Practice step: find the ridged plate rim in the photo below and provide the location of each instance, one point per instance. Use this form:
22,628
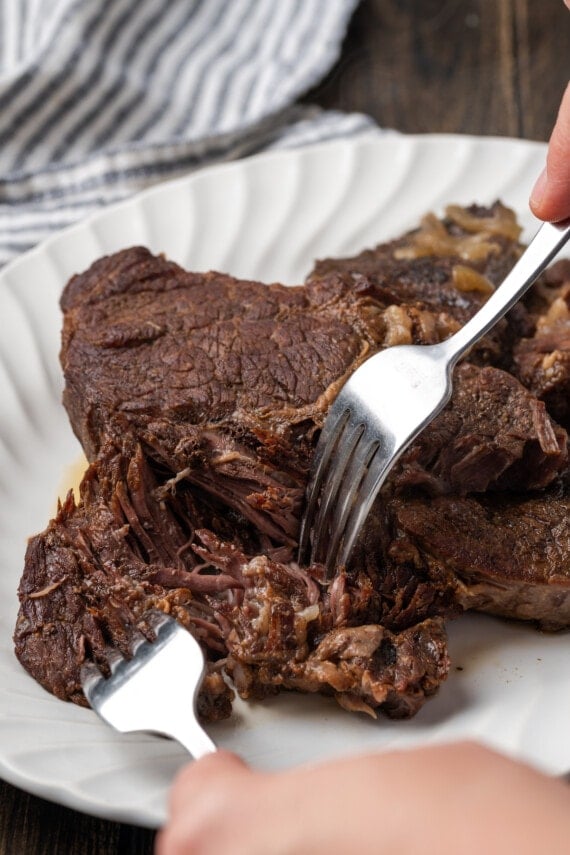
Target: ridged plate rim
265,216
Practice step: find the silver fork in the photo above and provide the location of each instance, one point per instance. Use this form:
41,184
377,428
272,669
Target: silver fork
156,689
385,405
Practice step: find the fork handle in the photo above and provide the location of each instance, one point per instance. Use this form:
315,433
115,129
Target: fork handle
193,738
547,242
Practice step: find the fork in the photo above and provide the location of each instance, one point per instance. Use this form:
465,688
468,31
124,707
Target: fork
156,689
385,405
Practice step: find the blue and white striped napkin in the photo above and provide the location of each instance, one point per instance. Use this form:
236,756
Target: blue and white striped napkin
101,98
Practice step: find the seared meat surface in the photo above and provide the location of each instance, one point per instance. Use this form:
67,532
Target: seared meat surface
198,399
509,553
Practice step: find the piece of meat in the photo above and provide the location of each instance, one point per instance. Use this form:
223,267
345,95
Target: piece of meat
223,382
509,554
287,632
542,361
493,435
130,546
99,567
198,399
444,270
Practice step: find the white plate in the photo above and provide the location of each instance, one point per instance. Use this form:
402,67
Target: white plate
267,218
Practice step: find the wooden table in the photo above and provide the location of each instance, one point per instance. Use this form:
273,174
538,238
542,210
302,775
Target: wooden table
494,67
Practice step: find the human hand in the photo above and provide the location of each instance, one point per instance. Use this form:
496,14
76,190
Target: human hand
451,800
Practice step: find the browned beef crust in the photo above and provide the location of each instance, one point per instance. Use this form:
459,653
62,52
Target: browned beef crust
511,554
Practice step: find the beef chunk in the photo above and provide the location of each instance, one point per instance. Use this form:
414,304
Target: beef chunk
542,361
509,554
493,435
288,633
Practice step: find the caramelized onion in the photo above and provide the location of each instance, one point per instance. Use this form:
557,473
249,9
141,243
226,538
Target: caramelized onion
432,238
557,311
398,326
467,279
502,222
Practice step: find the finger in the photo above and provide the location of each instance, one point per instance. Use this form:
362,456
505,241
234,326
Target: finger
202,777
550,197
201,802
163,843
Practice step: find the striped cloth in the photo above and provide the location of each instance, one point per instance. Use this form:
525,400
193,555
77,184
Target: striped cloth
101,98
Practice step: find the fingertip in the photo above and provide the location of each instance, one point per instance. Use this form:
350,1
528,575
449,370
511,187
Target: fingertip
215,760
538,193
218,763
200,775
159,847
220,758
550,197
551,208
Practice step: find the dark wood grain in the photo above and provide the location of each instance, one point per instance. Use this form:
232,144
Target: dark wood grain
456,66
33,826
494,67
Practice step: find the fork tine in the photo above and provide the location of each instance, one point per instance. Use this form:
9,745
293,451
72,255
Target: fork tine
114,658
347,493
347,441
323,453
91,676
156,619
138,640
370,486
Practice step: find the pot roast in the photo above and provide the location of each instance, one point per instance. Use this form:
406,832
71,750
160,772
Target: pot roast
198,399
